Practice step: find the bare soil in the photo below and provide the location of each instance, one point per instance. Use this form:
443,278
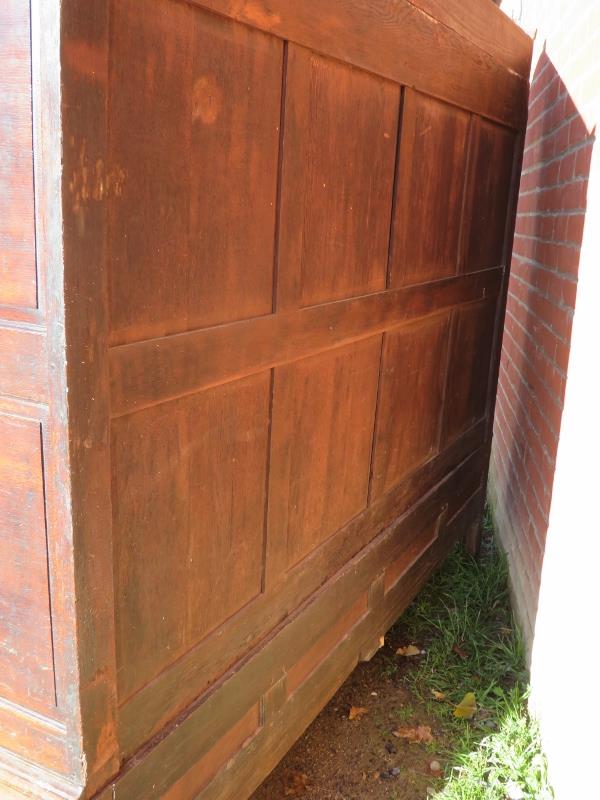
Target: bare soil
342,759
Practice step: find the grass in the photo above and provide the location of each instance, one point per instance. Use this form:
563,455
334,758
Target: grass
463,620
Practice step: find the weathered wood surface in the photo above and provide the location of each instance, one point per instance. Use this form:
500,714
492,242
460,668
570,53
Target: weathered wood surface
249,326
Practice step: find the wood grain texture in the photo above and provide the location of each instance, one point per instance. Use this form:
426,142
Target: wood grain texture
18,285
487,198
192,209
487,27
26,653
470,354
166,761
148,372
411,396
338,169
271,243
461,72
323,418
229,745
429,190
23,364
188,495
79,301
155,705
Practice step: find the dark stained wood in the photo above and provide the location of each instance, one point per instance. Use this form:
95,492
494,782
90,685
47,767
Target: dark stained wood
488,195
466,392
26,658
222,706
460,72
248,350
338,169
489,28
152,707
159,369
18,285
189,483
84,299
319,473
188,250
429,190
413,374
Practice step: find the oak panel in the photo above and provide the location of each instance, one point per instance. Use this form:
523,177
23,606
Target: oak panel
323,417
26,654
189,481
17,211
488,196
194,133
410,400
429,190
469,367
338,166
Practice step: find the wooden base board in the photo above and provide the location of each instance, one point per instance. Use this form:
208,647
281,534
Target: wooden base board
199,743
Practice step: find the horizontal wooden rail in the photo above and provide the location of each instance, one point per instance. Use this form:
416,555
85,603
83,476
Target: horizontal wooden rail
155,370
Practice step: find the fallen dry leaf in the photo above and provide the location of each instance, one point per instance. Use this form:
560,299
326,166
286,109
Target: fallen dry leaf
357,712
409,650
438,695
420,734
460,652
467,707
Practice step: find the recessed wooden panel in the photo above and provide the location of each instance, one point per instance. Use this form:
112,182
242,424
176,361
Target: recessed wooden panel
194,143
26,657
410,400
189,481
429,190
469,367
323,417
17,237
339,152
488,195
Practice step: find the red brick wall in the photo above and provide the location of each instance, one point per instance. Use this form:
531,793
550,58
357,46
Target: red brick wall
542,295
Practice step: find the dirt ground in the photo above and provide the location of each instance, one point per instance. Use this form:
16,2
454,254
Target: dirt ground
342,759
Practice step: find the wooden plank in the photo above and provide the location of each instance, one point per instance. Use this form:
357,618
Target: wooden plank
26,652
192,213
84,31
487,26
253,764
201,773
23,369
150,709
466,393
488,195
149,372
411,393
431,179
24,732
189,491
167,760
18,284
23,779
459,72
319,475
338,169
